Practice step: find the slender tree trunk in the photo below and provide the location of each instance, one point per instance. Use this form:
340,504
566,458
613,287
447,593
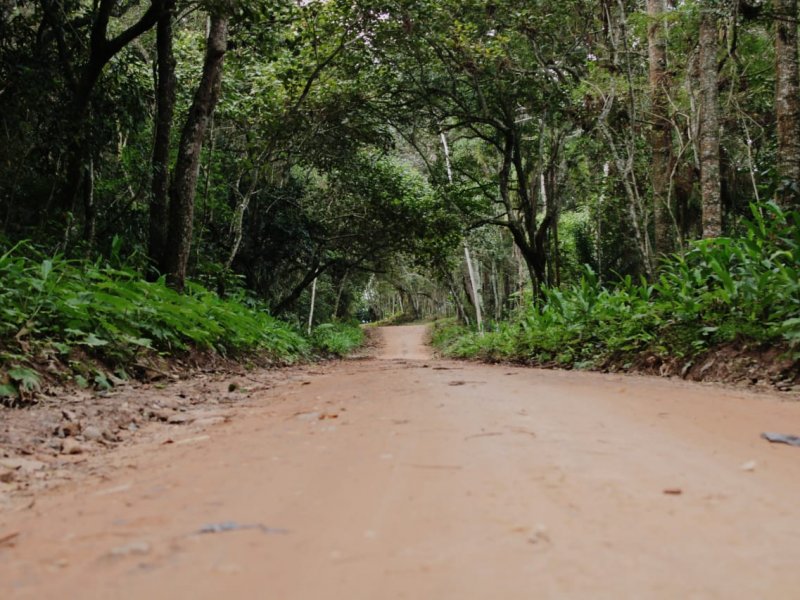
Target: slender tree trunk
661,131
237,224
89,208
495,291
340,291
311,309
184,181
473,283
165,107
709,127
787,102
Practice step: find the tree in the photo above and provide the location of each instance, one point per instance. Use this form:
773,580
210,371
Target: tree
184,179
709,125
498,78
661,128
787,102
166,83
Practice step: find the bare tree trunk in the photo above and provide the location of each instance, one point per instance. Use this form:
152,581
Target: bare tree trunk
313,302
661,131
476,296
237,224
165,107
709,127
184,181
787,102
495,291
339,292
89,207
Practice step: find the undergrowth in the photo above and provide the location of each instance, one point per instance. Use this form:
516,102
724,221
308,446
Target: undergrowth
337,339
76,313
722,290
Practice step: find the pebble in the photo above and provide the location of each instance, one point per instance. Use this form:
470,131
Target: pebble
179,419
540,534
70,446
750,465
162,414
92,433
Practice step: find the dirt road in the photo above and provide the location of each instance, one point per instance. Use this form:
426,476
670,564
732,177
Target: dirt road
409,477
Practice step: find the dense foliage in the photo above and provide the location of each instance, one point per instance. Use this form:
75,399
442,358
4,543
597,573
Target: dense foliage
100,320
541,168
722,290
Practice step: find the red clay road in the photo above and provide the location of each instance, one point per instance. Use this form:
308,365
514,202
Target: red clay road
403,476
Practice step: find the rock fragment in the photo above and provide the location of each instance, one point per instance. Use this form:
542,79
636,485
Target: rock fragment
71,446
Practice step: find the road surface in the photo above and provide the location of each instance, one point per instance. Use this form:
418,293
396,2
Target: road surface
403,476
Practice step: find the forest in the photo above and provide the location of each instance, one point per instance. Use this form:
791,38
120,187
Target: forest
582,183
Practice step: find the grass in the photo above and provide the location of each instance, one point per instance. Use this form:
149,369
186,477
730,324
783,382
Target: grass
722,290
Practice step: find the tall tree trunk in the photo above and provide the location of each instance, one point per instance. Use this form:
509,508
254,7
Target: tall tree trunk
709,126
337,307
787,102
473,286
184,180
661,131
165,107
311,309
89,208
237,223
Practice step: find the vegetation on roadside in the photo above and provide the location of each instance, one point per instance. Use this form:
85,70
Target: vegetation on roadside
524,167
723,290
93,321
337,339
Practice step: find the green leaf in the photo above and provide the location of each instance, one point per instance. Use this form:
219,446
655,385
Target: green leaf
93,341
27,379
8,391
46,269
62,348
102,381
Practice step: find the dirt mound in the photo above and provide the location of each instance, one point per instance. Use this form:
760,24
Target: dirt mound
737,363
